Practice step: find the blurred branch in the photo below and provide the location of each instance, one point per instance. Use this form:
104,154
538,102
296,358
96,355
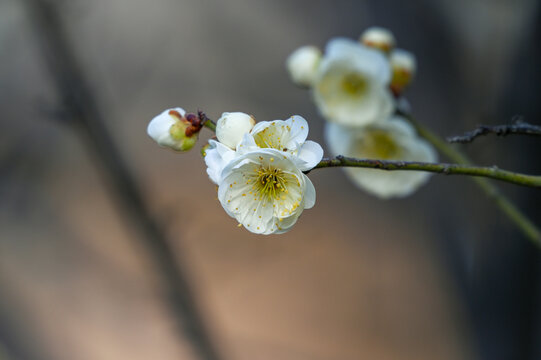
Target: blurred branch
447,169
86,117
517,128
526,226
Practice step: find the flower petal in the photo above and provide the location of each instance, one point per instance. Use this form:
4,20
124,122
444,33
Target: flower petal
286,224
310,154
298,131
370,60
309,193
247,144
217,157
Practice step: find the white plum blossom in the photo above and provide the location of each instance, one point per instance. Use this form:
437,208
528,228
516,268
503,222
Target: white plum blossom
169,130
265,191
231,127
352,84
379,38
302,65
261,183
288,136
394,139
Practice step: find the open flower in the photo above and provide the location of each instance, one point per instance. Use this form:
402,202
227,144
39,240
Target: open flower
352,84
289,137
394,139
265,191
169,129
261,183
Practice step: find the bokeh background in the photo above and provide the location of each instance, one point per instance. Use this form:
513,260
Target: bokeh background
439,275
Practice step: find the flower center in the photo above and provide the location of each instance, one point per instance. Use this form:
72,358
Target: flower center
267,139
270,183
354,84
273,136
378,144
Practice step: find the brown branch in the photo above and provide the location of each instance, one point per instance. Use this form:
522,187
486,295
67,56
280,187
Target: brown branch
86,117
517,128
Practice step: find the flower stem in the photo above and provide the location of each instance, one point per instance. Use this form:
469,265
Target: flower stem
210,125
528,228
447,169
206,122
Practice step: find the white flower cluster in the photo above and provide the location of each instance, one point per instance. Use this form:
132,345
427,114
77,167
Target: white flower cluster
357,87
258,167
259,170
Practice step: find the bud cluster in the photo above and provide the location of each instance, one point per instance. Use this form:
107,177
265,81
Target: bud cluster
258,168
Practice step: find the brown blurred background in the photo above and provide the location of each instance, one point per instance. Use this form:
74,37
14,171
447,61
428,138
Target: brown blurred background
439,275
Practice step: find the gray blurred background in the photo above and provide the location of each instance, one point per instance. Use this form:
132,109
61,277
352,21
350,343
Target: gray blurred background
439,275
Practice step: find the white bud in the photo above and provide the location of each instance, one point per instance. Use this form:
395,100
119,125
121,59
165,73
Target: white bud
379,38
169,130
231,127
302,65
404,66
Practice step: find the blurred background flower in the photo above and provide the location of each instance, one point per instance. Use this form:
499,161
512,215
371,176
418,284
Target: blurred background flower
392,139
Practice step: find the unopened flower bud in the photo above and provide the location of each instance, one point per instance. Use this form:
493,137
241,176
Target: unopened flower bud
379,38
231,127
302,65
404,66
171,129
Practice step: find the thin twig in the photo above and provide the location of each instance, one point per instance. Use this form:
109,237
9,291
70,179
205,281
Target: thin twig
206,122
447,169
518,128
80,103
528,228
